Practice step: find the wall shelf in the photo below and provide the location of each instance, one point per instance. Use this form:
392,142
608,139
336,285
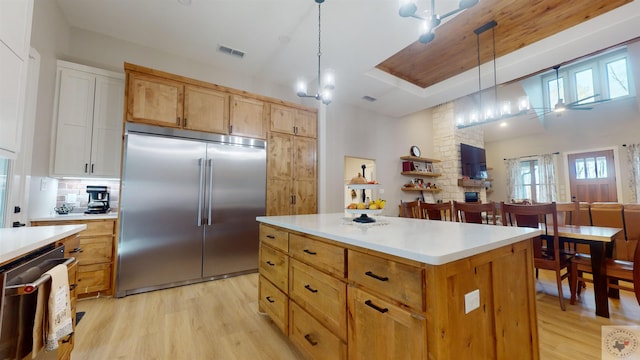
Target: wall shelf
421,189
416,158
421,173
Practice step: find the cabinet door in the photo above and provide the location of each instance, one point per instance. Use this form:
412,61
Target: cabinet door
206,110
154,100
282,119
15,27
306,123
94,278
306,198
280,156
305,181
247,117
12,87
72,154
106,139
381,330
279,197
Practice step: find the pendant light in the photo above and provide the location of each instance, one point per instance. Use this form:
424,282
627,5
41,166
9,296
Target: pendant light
326,84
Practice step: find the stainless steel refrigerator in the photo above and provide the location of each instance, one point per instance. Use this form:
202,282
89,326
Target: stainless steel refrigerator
188,207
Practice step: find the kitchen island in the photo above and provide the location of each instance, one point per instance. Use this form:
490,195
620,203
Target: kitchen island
399,288
18,242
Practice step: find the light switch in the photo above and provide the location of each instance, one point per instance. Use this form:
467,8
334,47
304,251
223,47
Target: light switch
471,301
381,191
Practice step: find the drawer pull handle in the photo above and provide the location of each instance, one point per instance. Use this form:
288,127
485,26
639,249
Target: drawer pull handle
72,287
269,299
372,305
377,277
308,287
76,250
271,236
270,263
310,340
310,252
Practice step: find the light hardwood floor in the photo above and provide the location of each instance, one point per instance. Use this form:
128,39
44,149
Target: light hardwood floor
220,320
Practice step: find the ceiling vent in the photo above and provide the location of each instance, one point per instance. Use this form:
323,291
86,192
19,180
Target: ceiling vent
369,98
230,51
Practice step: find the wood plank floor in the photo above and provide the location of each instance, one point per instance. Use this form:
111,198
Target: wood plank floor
220,320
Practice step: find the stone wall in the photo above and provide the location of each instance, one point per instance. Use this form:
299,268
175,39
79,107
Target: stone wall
446,143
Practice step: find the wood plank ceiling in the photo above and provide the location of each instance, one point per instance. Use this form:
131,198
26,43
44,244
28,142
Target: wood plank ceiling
520,23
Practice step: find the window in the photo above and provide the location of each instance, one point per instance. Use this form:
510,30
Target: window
604,77
591,168
618,78
528,179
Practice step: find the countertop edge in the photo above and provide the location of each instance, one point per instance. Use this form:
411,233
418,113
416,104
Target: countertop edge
527,233
76,217
44,236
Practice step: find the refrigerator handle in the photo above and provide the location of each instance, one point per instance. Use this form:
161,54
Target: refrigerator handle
201,166
210,191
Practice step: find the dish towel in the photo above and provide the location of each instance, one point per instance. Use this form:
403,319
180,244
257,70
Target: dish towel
53,311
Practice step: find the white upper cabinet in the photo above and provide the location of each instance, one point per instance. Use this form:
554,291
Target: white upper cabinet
15,36
88,122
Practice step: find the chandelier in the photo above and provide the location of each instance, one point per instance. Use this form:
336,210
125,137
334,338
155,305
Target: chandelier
326,84
408,8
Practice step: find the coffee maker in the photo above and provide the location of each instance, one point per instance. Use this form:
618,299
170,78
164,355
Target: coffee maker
98,200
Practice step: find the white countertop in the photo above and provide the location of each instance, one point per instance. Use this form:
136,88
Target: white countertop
78,216
15,242
428,241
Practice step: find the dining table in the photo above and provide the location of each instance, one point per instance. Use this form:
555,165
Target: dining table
600,241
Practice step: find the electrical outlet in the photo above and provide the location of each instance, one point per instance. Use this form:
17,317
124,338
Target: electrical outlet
72,198
471,301
44,184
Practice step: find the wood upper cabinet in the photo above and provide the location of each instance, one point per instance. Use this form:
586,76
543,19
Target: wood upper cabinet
293,121
247,117
206,110
154,100
173,101
88,137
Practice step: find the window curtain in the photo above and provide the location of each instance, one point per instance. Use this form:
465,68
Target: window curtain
514,180
634,167
546,191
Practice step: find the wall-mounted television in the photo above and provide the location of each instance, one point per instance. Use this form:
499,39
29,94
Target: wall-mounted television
474,162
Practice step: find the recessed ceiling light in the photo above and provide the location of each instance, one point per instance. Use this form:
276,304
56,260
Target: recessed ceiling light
185,2
503,124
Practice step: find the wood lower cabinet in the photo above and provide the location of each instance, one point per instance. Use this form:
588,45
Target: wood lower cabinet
350,302
95,252
378,329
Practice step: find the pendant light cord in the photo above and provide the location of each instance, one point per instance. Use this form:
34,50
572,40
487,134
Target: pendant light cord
495,73
479,78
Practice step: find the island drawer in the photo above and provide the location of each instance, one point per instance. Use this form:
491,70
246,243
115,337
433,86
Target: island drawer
95,250
324,256
277,238
396,280
275,303
313,339
274,265
321,295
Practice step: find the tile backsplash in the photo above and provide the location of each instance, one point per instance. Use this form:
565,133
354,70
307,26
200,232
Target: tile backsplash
74,192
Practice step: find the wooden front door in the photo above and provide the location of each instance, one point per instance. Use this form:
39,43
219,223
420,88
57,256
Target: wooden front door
592,176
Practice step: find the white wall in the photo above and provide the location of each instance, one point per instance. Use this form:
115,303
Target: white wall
610,125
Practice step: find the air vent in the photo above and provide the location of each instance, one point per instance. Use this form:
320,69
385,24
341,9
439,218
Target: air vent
369,98
230,51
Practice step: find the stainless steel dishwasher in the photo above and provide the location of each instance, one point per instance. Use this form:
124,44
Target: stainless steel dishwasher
20,281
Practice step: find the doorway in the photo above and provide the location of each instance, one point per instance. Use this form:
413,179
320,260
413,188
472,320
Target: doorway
592,176
353,167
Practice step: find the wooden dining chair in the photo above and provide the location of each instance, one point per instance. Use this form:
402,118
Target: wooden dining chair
438,211
549,258
477,213
569,214
410,209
